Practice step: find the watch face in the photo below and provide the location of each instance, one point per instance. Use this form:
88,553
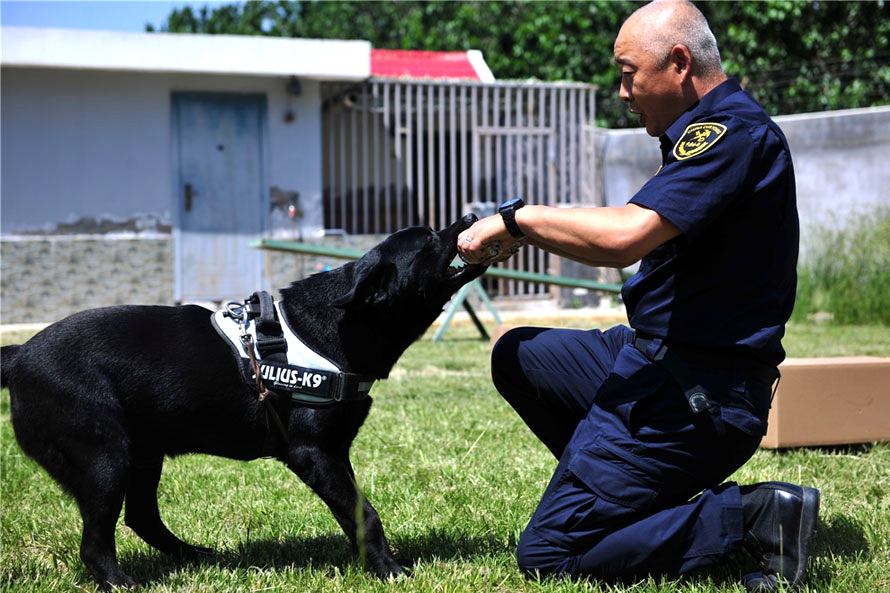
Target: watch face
511,204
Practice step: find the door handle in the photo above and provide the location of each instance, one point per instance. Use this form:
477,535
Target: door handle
189,194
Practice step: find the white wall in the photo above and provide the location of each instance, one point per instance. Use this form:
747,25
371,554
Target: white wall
98,144
841,163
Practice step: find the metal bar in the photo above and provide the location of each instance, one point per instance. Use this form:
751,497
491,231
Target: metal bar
368,223
485,157
475,154
399,158
387,164
456,301
374,147
421,157
495,171
352,172
563,148
506,175
344,253
341,164
487,301
442,197
430,159
464,154
508,162
574,130
409,156
540,145
454,198
328,166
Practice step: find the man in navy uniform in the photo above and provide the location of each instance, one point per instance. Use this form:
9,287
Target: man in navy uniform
648,421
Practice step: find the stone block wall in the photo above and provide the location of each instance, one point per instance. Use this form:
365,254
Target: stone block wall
47,278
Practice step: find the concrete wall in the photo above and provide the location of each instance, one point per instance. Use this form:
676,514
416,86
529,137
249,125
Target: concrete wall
840,163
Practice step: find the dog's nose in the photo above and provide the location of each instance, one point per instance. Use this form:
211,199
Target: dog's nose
470,218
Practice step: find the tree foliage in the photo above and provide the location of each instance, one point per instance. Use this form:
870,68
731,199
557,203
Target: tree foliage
793,56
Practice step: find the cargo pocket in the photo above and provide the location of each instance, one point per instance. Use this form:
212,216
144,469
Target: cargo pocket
615,475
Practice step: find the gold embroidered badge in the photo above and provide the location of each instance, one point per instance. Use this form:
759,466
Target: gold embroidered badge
698,138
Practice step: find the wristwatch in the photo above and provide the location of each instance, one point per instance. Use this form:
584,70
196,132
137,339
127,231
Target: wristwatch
507,210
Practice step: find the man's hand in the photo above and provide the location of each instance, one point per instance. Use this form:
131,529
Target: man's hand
487,242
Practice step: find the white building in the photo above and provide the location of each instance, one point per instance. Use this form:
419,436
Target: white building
188,146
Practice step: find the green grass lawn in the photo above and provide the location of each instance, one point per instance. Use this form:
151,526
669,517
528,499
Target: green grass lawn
454,474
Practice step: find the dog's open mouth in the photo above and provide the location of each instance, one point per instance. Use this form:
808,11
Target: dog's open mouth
458,268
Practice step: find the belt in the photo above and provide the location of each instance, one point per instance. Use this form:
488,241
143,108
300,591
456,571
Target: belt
676,359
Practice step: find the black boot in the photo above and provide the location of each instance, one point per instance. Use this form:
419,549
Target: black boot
780,519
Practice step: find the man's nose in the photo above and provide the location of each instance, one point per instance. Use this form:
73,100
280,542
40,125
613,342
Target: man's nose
624,93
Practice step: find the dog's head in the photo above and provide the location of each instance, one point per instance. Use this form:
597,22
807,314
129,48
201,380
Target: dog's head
411,274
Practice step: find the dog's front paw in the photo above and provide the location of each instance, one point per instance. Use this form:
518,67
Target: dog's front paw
387,568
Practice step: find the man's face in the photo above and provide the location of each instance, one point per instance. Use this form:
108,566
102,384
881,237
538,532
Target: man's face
652,92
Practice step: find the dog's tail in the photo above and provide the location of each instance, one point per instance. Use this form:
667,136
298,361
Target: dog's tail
7,358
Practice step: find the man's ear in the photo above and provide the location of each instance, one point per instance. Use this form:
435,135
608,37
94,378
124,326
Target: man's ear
681,60
370,287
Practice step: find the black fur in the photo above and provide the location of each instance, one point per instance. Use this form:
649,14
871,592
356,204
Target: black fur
99,398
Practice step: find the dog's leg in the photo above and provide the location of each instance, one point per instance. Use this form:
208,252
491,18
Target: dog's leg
142,514
97,547
85,448
100,496
332,478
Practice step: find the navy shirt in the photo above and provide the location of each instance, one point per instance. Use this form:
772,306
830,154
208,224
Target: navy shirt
728,281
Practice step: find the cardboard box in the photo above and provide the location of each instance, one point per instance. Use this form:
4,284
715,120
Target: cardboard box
830,401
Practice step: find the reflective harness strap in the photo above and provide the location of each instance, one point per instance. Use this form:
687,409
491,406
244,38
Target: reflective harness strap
270,367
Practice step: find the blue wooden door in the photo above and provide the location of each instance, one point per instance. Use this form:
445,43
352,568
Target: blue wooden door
219,171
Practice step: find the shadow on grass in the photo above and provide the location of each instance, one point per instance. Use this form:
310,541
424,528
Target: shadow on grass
839,539
296,553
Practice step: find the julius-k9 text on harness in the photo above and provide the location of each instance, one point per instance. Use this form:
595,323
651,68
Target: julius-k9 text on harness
271,355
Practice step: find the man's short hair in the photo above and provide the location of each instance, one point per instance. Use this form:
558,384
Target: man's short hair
679,22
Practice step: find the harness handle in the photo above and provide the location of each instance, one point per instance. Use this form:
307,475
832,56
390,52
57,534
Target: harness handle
264,391
247,339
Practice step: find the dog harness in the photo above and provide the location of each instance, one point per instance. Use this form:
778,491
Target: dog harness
260,341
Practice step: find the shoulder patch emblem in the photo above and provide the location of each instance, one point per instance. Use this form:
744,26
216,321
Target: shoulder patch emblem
698,138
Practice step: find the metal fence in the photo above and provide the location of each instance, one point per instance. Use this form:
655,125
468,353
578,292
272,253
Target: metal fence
402,153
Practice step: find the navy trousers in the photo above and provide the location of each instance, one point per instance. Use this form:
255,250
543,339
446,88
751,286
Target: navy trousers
639,484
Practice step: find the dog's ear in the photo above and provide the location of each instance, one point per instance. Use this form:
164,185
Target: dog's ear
371,286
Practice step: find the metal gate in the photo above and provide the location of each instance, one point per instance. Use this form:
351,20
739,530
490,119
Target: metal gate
401,153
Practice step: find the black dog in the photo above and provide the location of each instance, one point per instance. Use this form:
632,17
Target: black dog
99,398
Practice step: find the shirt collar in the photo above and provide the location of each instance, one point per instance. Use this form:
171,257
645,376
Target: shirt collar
705,106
